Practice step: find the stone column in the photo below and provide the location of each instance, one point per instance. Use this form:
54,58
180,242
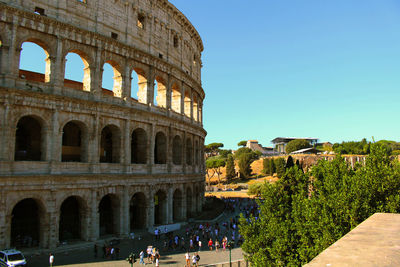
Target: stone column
94,144
94,217
183,99
56,71
150,210
7,230
125,212
169,93
6,134
191,105
170,203
53,229
55,143
126,83
3,221
184,205
184,146
96,73
11,68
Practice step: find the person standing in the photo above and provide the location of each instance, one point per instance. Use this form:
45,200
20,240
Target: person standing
141,257
199,245
51,260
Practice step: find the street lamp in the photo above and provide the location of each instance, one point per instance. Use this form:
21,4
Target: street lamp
231,244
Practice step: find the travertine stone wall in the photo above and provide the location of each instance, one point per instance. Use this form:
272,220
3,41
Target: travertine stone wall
150,37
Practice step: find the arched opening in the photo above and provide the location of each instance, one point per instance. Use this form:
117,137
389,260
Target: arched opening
195,108
27,218
177,205
135,85
77,71
160,149
160,92
189,202
139,147
72,140
200,113
139,78
160,208
112,79
196,199
109,215
110,144
71,215
34,62
28,140
138,212
189,151
187,102
177,150
176,98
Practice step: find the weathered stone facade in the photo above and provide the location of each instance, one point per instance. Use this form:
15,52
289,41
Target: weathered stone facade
78,161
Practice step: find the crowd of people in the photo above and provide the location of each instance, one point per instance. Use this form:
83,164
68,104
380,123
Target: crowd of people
217,236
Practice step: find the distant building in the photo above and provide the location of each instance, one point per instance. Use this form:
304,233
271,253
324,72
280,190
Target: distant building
255,146
281,142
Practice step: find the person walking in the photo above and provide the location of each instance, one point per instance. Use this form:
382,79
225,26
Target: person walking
51,260
187,257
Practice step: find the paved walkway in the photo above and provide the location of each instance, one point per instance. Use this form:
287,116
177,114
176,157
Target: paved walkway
82,254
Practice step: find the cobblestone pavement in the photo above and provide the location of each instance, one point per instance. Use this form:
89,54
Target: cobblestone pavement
82,254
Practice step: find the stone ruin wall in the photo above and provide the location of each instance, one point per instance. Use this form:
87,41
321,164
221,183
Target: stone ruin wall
167,185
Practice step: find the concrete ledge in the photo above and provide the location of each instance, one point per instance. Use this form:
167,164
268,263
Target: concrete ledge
374,242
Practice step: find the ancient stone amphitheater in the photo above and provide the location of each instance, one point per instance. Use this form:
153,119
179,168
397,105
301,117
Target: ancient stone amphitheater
78,161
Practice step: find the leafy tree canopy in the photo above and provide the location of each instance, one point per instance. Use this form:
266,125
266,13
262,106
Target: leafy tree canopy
300,217
297,144
242,143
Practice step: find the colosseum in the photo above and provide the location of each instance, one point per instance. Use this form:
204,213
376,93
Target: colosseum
82,162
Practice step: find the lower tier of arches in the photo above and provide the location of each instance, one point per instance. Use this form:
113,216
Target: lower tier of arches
47,211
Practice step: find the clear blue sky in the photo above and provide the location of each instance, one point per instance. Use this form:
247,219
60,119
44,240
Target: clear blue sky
296,68
324,69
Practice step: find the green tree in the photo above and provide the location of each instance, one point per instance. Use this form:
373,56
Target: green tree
280,164
300,217
266,166
212,149
297,144
289,162
246,150
242,143
215,165
230,168
245,161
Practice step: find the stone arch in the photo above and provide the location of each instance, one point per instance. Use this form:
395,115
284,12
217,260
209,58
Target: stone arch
72,223
160,92
139,146
187,103
33,75
75,139
28,223
117,78
177,150
84,83
189,202
109,215
176,98
160,148
189,151
138,211
30,142
110,144
177,205
160,207
141,85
